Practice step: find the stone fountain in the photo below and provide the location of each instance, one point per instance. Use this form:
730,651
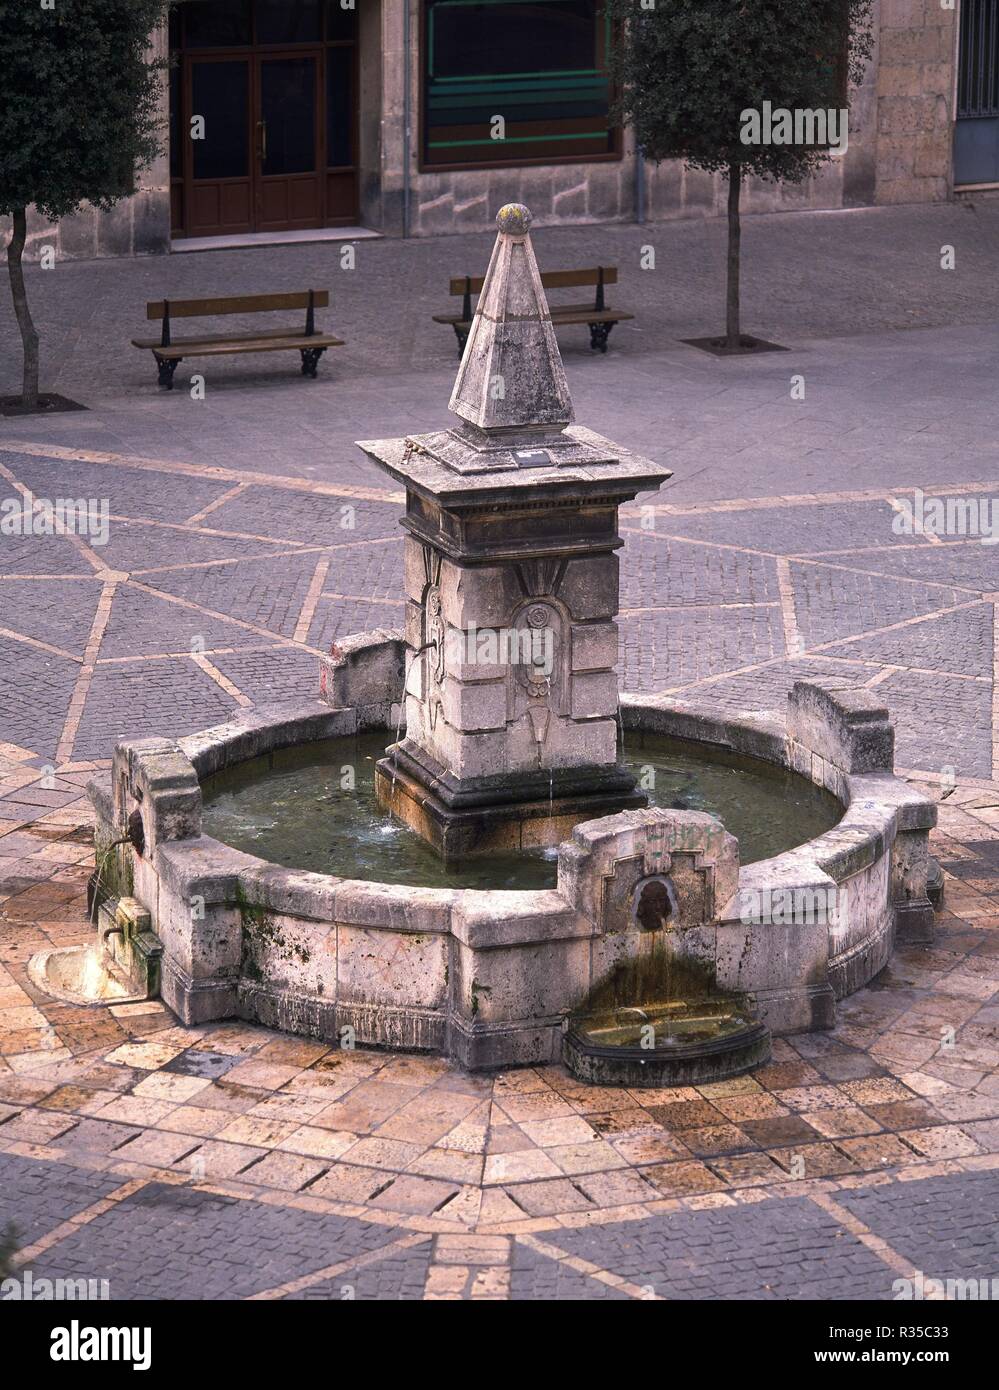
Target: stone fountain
657,954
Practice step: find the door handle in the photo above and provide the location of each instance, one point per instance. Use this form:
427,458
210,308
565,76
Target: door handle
262,130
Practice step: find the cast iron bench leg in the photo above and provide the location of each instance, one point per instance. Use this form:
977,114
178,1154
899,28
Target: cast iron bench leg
310,360
167,366
599,333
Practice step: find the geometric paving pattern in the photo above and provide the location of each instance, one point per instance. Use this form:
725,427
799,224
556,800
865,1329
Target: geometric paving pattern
788,1249
217,589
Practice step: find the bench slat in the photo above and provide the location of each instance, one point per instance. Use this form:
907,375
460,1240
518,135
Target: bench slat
288,331
550,279
216,347
560,313
236,304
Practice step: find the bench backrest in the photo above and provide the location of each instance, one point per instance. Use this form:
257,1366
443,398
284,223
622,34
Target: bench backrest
550,279
168,309
236,304
598,275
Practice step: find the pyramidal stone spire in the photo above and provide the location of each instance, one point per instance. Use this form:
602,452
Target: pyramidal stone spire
511,376
515,431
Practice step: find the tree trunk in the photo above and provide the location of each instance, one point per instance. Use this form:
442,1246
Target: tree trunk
29,334
732,334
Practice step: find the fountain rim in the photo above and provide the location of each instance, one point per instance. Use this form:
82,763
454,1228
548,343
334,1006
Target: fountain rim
872,803
635,705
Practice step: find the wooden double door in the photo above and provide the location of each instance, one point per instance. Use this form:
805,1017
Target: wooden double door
266,141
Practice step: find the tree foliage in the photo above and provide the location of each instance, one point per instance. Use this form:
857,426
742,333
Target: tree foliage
685,70
79,97
79,116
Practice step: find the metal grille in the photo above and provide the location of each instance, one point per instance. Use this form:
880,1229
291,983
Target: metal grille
978,80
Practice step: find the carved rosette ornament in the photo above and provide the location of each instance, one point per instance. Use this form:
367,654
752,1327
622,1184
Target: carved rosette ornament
537,665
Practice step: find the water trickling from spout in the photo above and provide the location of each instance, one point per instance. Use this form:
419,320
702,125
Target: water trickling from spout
402,708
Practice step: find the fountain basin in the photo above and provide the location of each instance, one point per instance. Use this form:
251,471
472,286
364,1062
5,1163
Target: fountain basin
491,977
121,966
291,807
694,1045
79,975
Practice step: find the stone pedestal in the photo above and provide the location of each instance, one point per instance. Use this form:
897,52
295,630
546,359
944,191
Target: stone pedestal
511,579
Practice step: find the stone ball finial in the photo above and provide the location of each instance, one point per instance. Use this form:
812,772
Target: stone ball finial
513,219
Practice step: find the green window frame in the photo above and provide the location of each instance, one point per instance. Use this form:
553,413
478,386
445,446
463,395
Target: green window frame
553,113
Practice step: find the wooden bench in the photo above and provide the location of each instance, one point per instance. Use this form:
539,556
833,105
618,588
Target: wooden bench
597,315
170,351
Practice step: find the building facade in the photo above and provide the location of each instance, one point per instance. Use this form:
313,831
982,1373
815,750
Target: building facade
420,117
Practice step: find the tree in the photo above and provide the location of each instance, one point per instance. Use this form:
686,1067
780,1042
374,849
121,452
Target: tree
690,72
79,97
8,1249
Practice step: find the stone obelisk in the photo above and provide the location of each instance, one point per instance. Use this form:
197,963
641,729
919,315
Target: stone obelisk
511,578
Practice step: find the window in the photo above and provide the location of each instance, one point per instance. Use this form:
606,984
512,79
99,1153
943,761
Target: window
216,23
515,82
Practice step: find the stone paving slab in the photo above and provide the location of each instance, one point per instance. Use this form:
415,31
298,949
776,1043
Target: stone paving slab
208,622
36,1196
946,1227
793,262
247,533
787,1249
249,522
880,403
392,1278
167,1242
537,1278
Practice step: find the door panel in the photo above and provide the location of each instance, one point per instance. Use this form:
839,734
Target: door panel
220,162
339,107
225,206
276,84
341,198
289,185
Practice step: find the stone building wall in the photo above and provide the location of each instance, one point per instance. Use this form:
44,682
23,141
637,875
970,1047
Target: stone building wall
899,151
915,101
901,134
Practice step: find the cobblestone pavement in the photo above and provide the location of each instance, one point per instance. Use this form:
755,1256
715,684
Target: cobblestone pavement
247,531
881,405
232,1161
214,591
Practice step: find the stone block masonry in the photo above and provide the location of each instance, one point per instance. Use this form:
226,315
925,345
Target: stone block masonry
915,111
